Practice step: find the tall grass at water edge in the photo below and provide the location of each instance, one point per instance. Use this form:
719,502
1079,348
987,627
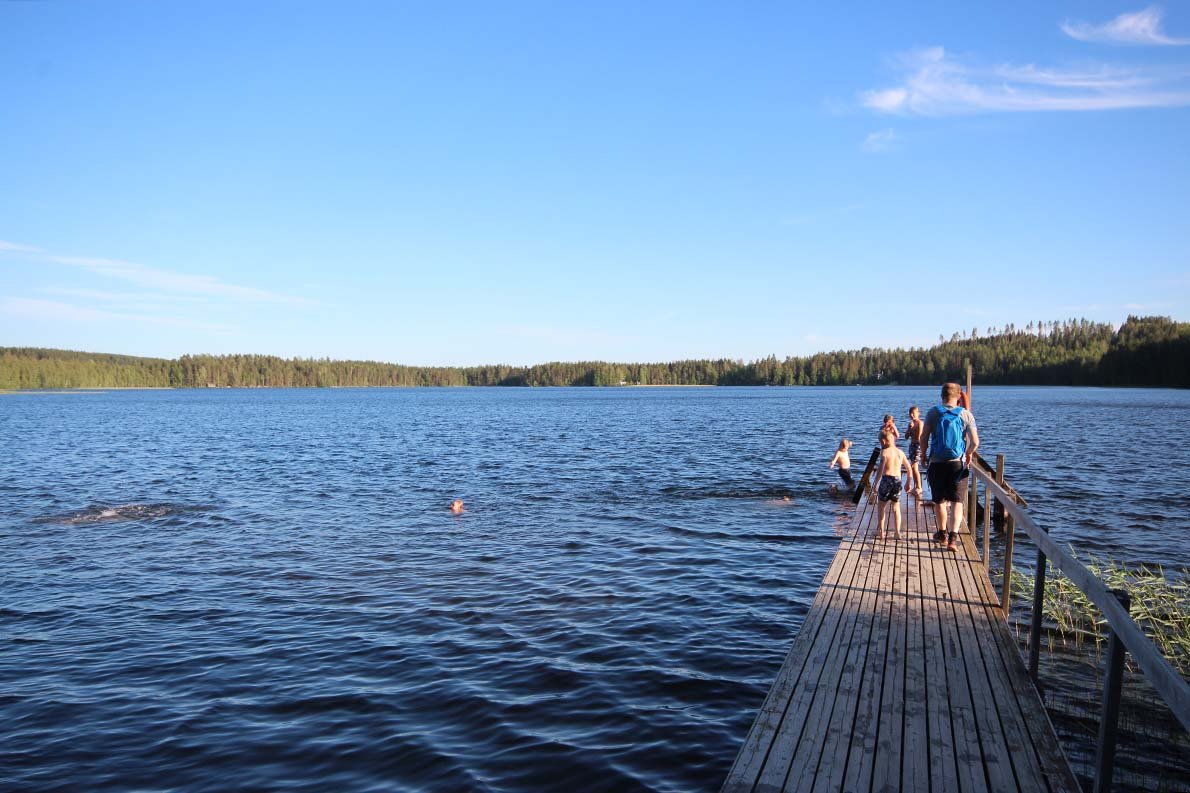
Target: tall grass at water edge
1160,606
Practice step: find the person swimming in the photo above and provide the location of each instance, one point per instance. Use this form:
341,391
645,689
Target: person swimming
456,506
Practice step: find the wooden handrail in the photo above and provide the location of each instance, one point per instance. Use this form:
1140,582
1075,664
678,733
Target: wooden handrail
1172,687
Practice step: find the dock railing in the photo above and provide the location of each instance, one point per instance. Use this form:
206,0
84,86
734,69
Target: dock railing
1123,634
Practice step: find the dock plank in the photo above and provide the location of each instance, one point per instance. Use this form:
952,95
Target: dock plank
1024,702
915,760
858,691
879,721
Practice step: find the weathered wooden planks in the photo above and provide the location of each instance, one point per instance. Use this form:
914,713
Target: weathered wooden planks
903,677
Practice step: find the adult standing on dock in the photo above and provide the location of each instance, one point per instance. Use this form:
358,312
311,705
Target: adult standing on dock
951,439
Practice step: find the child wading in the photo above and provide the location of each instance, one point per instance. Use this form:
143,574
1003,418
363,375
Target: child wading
843,460
888,491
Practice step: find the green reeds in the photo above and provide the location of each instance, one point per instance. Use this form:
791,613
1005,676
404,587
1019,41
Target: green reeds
1160,605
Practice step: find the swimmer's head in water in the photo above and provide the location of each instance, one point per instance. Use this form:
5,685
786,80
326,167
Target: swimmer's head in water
456,506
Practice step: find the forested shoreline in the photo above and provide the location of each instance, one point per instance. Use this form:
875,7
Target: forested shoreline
1145,351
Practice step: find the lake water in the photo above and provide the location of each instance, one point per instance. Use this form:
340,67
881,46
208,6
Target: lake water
264,589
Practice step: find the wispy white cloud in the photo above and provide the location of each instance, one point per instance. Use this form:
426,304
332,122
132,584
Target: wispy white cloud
880,141
937,84
1141,28
12,247
120,297
173,282
174,285
57,311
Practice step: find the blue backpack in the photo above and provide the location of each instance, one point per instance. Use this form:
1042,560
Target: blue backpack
947,442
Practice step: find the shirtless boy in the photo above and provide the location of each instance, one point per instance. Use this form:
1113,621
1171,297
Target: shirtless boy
843,460
913,433
888,492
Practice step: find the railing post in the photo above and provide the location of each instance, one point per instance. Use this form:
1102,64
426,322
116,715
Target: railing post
1009,540
972,498
988,501
1035,627
1105,755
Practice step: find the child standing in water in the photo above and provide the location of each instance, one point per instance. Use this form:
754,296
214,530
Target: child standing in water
890,426
913,433
843,460
888,491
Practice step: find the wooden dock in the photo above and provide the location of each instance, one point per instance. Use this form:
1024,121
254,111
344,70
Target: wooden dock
904,676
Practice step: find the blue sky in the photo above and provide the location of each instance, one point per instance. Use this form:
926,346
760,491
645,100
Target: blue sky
518,182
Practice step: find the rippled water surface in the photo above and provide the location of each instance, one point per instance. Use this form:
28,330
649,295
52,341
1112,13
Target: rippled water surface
264,589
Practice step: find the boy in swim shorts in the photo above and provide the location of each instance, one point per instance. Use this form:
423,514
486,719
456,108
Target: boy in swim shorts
888,492
913,433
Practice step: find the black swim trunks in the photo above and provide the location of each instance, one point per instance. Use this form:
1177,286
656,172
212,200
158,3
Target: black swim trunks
845,475
913,450
889,489
944,478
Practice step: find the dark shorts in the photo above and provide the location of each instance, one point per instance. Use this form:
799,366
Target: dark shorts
845,475
944,478
913,450
889,489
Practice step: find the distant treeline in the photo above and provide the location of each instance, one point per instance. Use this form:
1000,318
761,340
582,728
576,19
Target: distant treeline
1146,351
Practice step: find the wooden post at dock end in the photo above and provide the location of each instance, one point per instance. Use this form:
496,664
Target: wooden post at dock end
1009,539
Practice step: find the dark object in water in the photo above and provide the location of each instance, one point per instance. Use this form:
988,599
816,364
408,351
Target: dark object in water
101,513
